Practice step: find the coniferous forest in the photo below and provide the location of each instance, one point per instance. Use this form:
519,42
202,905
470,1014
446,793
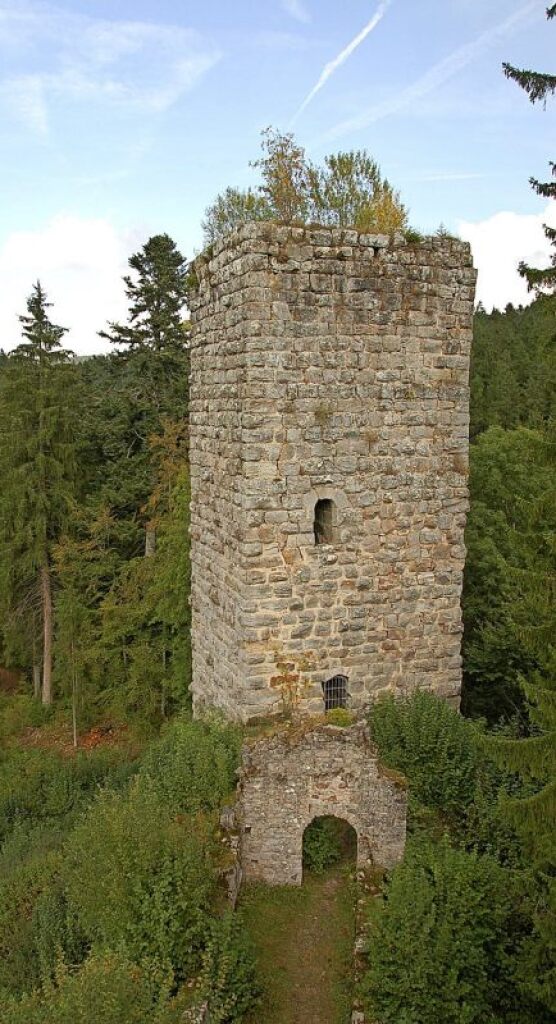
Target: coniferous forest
112,903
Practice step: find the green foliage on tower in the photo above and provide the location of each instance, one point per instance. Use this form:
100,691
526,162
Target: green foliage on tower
347,190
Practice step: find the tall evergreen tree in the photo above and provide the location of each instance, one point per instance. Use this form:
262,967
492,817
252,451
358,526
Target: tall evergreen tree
156,299
539,86
38,468
153,380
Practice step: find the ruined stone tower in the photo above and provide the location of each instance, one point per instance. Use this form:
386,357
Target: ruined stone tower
329,452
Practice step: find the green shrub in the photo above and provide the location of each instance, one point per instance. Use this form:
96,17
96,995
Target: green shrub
452,781
228,976
108,989
440,946
340,716
141,880
434,747
322,844
38,786
37,928
57,936
193,766
19,712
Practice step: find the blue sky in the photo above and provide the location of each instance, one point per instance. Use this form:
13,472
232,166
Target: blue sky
120,119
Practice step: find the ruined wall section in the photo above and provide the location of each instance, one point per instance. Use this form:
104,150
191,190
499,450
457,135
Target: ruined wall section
291,778
328,364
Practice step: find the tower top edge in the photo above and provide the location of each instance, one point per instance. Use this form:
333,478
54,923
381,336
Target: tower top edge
265,236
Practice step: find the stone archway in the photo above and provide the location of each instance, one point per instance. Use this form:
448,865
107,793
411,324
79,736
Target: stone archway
297,774
328,842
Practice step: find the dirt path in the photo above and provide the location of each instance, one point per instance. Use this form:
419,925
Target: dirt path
304,943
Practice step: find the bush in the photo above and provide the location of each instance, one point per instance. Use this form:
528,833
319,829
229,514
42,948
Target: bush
322,844
19,712
38,786
19,893
109,989
57,936
140,880
423,737
340,716
228,977
37,928
440,947
193,767
452,781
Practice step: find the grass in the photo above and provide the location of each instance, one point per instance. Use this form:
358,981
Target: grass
304,943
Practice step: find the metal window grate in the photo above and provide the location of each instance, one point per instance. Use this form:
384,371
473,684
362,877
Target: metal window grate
335,692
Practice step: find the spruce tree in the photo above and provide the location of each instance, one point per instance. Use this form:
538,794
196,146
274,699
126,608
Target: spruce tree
156,297
539,86
153,380
38,469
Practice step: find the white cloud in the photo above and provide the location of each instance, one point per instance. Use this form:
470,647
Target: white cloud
341,58
80,263
438,74
499,243
297,10
135,64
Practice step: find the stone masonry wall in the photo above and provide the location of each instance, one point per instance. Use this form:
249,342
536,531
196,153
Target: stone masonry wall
327,364
291,778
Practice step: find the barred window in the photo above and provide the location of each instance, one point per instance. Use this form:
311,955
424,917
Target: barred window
335,692
325,521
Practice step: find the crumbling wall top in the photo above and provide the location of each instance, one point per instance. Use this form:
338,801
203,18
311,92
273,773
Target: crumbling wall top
274,239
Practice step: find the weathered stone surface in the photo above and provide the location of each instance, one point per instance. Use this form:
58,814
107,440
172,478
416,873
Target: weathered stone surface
326,364
294,776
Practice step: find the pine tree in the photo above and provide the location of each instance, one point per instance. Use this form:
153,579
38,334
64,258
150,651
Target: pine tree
145,630
539,86
156,300
153,381
86,564
38,469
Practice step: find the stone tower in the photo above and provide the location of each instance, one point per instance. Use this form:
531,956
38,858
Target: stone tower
329,454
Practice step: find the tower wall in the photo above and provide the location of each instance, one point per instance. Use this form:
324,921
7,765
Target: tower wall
327,364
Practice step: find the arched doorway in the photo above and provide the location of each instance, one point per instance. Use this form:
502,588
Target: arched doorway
328,842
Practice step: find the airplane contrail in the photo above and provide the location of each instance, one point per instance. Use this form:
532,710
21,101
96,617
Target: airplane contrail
337,62
436,75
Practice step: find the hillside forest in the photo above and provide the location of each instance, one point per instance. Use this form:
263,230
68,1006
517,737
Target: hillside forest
112,907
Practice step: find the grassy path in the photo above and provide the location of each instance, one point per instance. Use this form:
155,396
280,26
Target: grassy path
304,943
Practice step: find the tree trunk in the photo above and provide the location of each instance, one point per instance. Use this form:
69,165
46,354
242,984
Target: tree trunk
150,541
73,694
36,664
36,680
46,592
